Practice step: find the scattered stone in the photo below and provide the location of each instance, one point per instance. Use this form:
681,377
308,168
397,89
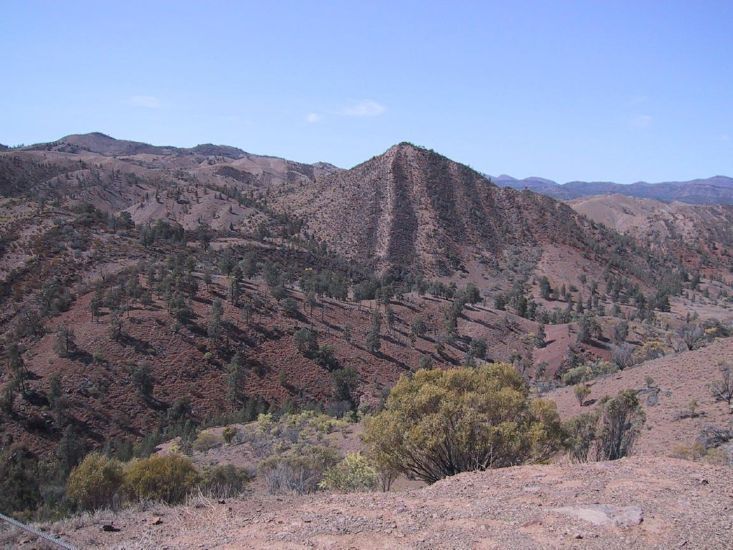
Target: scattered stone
109,528
156,520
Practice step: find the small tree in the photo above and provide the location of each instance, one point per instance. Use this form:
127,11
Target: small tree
345,383
167,478
214,328
235,289
623,356
471,294
588,328
306,339
692,334
229,433
143,381
540,340
609,432
476,350
620,420
722,389
374,338
95,306
18,368
115,326
235,378
418,327
290,308
580,436
545,288
391,318
65,343
70,450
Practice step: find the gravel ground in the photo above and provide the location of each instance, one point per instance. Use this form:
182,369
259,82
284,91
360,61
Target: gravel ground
642,502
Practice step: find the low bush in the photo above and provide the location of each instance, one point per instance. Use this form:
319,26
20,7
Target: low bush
652,349
205,441
224,481
588,372
353,473
300,470
166,478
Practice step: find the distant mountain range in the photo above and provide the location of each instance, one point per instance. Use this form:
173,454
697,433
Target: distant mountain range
715,190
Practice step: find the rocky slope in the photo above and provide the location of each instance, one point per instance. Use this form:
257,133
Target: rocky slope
411,208
697,235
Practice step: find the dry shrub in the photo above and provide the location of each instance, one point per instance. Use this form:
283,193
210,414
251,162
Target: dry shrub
166,478
300,470
94,483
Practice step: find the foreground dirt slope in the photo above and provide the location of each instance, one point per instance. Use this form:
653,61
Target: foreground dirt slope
630,503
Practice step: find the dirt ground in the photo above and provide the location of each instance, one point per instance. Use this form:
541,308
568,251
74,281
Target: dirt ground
642,502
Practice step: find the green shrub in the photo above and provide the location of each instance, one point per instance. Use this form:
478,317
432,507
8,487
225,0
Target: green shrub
587,372
167,478
443,422
94,483
353,473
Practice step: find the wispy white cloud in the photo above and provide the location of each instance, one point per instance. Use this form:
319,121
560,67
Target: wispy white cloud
642,121
312,118
145,101
363,108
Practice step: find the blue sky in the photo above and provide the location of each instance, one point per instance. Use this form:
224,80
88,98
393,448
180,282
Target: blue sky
621,91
